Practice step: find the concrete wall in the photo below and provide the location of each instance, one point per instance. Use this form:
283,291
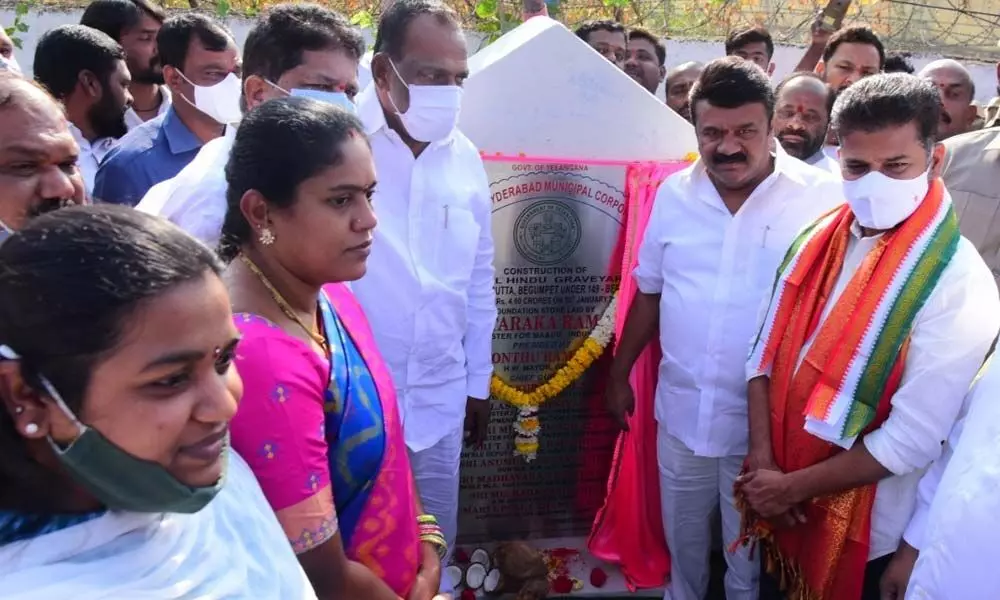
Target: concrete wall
678,51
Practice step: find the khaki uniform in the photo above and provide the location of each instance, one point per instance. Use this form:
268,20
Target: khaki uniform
972,175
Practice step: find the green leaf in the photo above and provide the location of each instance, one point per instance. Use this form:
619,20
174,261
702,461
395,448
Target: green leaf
362,19
21,9
17,43
10,31
486,9
223,8
21,26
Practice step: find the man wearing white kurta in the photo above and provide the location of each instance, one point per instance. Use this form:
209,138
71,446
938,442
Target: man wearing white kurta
716,236
428,292
938,325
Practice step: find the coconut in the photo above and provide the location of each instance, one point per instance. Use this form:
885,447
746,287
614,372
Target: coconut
493,581
455,574
520,561
480,557
475,576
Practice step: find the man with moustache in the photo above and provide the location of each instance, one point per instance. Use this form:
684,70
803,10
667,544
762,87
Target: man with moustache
85,70
646,57
971,166
716,235
134,24
954,83
38,170
851,54
678,85
801,118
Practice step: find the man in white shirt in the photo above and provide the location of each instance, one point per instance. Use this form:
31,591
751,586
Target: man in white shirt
878,324
429,288
953,534
134,24
297,49
718,232
85,70
801,118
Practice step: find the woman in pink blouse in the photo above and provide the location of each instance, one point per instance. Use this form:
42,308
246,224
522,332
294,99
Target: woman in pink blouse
318,423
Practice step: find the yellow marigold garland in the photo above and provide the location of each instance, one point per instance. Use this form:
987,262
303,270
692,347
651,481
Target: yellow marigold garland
527,426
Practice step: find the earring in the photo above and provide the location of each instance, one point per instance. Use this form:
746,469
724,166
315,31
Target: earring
31,429
18,410
266,236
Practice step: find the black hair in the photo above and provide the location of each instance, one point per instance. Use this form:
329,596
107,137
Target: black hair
70,281
278,39
645,34
898,63
280,144
395,22
732,82
857,34
587,27
831,94
116,17
742,37
174,38
66,51
888,100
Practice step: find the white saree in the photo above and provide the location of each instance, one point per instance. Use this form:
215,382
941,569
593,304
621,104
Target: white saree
232,549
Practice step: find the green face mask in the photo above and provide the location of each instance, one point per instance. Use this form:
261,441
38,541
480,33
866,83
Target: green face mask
119,480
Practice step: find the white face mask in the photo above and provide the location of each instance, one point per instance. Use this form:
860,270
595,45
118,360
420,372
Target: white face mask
10,64
220,101
433,111
881,202
340,99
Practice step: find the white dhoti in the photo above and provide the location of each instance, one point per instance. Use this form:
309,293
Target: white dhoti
691,488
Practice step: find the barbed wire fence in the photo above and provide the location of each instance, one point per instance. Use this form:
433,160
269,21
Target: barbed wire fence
967,29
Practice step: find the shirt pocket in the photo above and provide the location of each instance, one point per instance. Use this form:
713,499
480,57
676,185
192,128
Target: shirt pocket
769,251
455,240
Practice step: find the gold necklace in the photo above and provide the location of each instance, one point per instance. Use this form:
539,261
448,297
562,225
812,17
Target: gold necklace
283,304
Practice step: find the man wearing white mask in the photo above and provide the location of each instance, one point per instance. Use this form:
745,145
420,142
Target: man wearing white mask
200,65
429,288
881,316
292,49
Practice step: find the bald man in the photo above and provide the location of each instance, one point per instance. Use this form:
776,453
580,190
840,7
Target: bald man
954,82
38,171
678,84
803,103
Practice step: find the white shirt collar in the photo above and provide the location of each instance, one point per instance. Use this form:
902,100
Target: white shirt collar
99,148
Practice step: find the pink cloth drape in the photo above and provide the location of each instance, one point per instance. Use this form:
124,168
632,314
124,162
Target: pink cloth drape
628,530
